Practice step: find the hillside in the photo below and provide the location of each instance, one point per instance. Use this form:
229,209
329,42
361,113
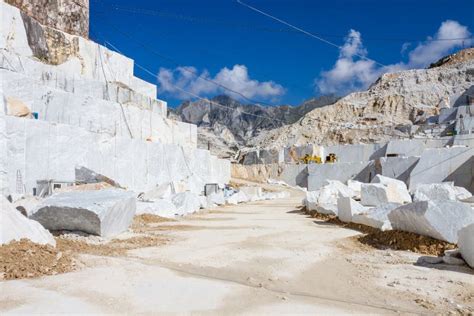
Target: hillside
396,105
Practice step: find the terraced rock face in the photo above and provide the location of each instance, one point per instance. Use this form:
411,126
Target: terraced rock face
402,99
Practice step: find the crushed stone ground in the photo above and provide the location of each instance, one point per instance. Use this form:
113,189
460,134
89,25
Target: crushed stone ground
25,259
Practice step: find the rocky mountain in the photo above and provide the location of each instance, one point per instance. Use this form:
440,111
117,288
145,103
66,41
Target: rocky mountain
227,128
396,105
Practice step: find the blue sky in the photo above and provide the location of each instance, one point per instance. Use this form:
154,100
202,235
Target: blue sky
259,58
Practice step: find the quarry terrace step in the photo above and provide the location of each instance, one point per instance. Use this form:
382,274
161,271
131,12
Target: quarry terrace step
58,78
94,115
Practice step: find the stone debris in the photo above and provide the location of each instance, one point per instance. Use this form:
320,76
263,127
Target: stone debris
160,207
86,175
104,212
216,198
384,190
466,244
453,257
238,197
348,207
438,219
431,260
162,191
15,226
275,195
311,200
376,217
341,188
373,194
453,261
253,193
435,191
204,202
355,186
29,203
186,203
462,194
327,196
397,190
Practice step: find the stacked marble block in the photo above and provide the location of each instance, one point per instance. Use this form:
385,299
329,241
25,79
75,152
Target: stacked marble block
413,161
91,111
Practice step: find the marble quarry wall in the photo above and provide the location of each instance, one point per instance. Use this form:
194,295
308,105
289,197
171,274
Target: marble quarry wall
66,101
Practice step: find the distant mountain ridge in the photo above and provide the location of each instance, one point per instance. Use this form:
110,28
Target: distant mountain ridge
226,128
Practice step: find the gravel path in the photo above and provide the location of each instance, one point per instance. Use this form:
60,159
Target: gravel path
261,257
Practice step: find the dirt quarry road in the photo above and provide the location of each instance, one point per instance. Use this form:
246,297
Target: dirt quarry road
260,257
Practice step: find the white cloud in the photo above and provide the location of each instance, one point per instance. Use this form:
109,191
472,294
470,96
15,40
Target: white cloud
236,78
405,47
351,72
430,51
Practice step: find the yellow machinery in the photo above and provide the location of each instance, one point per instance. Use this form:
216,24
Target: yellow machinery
307,159
331,158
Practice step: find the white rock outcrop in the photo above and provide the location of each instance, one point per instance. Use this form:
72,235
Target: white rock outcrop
438,219
104,212
466,244
15,226
186,203
434,191
397,190
160,207
376,217
348,207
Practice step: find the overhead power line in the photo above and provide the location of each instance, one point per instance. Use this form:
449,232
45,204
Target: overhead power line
191,93
254,27
322,122
305,32
188,70
244,112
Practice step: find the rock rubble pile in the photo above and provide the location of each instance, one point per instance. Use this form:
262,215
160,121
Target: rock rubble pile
437,210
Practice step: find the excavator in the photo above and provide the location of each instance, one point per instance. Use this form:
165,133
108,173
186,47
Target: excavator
308,159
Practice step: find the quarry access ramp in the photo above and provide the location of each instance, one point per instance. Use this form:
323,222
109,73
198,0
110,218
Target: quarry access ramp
258,257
